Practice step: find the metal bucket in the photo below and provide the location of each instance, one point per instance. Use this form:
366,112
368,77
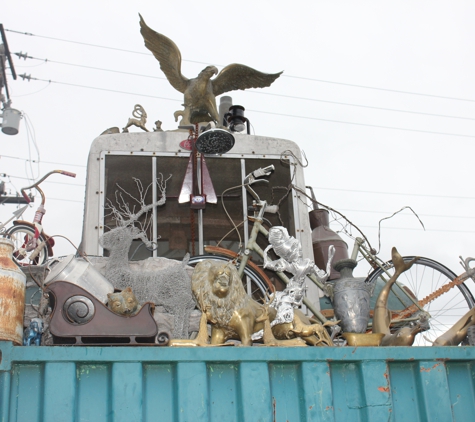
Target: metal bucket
81,273
12,295
11,121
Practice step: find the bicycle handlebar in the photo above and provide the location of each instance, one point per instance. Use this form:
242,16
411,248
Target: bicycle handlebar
271,209
252,178
266,171
35,185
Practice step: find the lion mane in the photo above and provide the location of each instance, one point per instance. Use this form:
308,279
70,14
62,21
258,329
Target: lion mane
219,309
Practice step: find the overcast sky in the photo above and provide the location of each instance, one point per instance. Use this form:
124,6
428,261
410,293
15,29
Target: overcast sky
379,95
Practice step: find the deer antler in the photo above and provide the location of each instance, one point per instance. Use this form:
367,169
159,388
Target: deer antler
124,210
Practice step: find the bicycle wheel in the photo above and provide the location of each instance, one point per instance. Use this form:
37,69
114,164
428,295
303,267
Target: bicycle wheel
423,278
21,237
253,284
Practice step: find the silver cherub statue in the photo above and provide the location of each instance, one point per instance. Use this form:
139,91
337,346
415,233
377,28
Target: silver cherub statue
289,249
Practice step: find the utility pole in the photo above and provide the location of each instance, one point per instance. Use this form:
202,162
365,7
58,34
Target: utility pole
11,117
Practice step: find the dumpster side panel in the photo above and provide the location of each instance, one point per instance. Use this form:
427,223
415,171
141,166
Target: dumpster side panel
236,384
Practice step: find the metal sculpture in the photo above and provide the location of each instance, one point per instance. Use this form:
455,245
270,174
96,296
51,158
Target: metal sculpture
234,315
171,287
200,92
79,309
300,330
86,320
382,316
457,333
124,303
289,250
32,334
269,338
139,121
219,292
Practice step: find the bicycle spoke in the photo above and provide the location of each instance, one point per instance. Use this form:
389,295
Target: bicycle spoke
445,307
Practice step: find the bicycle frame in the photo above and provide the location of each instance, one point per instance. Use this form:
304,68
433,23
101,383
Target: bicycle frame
261,207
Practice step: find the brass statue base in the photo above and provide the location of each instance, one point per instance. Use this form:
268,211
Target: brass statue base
363,339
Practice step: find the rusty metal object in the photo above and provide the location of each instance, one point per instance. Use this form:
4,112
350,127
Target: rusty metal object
12,295
322,237
79,318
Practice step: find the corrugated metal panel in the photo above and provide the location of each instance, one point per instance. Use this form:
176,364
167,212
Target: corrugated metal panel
236,384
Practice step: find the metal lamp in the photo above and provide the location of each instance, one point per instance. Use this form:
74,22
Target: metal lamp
235,119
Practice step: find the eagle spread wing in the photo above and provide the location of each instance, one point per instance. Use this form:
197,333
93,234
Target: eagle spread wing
237,76
167,53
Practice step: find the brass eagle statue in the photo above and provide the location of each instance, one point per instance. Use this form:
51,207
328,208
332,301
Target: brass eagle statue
200,92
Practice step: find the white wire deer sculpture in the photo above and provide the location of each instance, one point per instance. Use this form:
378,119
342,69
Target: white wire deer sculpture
170,287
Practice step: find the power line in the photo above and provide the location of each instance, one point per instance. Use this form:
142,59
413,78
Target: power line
381,89
362,124
256,111
97,88
22,55
47,181
285,76
413,229
395,193
72,200
44,162
406,213
92,45
362,106
25,56
77,42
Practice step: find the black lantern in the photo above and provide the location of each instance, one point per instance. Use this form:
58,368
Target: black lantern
235,119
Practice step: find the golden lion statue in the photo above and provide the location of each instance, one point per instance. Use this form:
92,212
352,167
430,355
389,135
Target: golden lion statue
220,294
234,315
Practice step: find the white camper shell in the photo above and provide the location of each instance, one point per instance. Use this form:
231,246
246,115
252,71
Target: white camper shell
116,159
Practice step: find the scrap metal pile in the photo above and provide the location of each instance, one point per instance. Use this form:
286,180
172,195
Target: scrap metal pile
111,301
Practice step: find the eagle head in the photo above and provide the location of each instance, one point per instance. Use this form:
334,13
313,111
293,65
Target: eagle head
208,72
